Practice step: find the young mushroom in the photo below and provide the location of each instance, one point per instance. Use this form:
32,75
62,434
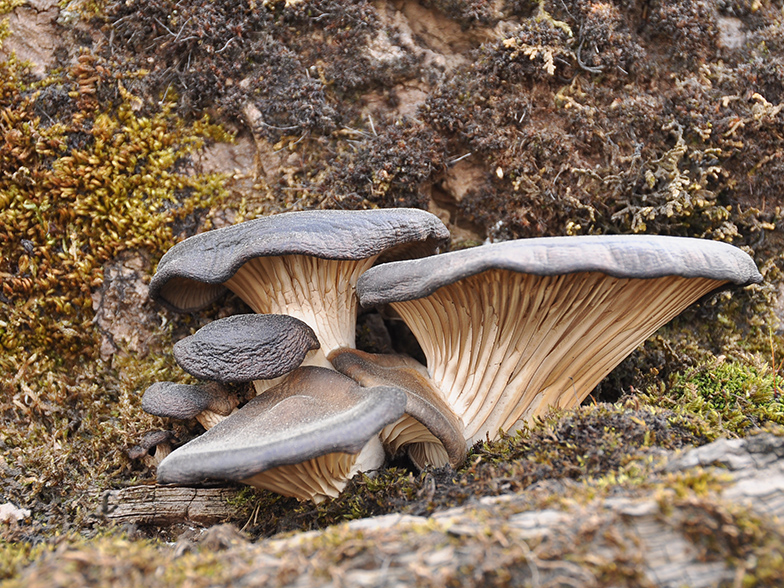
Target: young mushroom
303,264
240,348
208,403
153,448
512,328
305,437
429,431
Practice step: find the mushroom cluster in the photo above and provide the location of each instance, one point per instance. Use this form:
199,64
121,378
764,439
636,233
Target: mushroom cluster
508,330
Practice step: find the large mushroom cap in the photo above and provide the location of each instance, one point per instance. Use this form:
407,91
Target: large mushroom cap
513,328
246,347
301,438
620,256
192,273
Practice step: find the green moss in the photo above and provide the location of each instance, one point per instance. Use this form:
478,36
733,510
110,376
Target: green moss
730,398
15,555
113,558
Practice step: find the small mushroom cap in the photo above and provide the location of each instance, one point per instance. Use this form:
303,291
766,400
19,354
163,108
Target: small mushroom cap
620,256
313,412
424,402
246,347
190,275
150,440
184,401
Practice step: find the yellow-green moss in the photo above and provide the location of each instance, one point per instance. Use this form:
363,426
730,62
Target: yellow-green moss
87,171
728,397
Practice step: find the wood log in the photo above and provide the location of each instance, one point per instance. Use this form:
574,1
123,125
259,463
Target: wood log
169,505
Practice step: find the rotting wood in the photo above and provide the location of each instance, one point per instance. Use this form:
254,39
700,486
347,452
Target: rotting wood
170,505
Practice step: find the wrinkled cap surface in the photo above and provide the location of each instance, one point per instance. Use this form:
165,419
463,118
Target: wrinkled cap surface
185,401
246,347
620,256
313,412
190,275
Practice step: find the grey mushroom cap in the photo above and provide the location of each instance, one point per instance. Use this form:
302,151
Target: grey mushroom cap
620,256
246,347
423,402
190,275
313,412
185,401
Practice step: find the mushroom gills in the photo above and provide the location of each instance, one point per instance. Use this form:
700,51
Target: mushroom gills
319,292
429,431
423,448
531,342
322,477
511,329
304,438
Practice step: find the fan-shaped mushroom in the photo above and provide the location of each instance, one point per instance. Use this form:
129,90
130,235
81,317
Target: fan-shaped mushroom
306,437
247,347
512,328
429,431
303,264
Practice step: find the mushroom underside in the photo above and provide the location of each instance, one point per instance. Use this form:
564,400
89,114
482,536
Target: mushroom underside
429,431
317,425
322,477
319,292
503,347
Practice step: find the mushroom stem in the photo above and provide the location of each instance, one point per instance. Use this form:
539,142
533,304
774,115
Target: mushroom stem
547,341
319,292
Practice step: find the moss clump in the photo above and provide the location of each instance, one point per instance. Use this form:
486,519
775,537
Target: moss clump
87,171
114,559
730,397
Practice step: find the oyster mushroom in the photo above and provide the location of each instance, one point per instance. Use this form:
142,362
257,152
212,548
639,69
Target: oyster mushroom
153,447
428,431
303,264
240,348
208,403
512,328
305,437
247,347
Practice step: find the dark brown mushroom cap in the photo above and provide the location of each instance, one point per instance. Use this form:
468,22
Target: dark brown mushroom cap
190,275
184,401
246,347
149,440
313,412
424,402
620,256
